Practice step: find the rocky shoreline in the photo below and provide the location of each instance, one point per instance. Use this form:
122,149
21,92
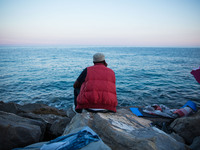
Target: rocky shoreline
23,125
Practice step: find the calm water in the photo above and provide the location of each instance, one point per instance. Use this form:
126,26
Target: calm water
143,75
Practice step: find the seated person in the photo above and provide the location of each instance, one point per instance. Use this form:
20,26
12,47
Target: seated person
95,89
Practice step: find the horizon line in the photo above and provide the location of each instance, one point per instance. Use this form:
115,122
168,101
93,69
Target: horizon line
62,45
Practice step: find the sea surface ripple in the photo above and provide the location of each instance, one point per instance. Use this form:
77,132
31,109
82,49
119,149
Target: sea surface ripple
144,76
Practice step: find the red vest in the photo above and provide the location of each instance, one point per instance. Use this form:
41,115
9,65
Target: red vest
99,89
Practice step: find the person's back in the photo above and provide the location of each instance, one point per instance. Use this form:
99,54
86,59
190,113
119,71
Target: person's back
98,91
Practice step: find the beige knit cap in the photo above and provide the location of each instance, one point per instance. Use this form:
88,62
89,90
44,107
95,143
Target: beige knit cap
98,57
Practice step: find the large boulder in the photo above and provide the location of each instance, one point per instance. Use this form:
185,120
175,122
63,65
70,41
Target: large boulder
54,119
187,127
30,123
31,108
17,131
9,107
55,125
123,130
41,109
58,126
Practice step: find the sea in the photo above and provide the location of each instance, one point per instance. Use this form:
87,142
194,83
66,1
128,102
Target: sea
144,75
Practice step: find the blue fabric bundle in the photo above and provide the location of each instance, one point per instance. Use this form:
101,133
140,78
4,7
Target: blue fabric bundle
72,141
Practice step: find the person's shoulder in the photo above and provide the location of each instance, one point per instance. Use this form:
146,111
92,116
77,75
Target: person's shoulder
89,67
110,69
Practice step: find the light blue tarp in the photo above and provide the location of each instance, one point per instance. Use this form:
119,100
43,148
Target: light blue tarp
83,138
73,141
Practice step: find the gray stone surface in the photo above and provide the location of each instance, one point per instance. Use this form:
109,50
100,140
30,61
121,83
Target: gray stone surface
31,108
17,131
41,109
177,137
9,107
58,126
70,113
35,146
55,125
123,130
195,144
187,127
21,124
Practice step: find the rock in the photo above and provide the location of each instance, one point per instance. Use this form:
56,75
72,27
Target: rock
17,131
123,130
187,127
58,126
30,108
9,107
41,112
21,125
70,113
55,125
195,144
56,119
52,121
35,146
41,109
177,137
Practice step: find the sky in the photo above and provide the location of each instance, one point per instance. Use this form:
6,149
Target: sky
146,23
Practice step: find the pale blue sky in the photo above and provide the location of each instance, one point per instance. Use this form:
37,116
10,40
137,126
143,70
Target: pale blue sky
100,22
